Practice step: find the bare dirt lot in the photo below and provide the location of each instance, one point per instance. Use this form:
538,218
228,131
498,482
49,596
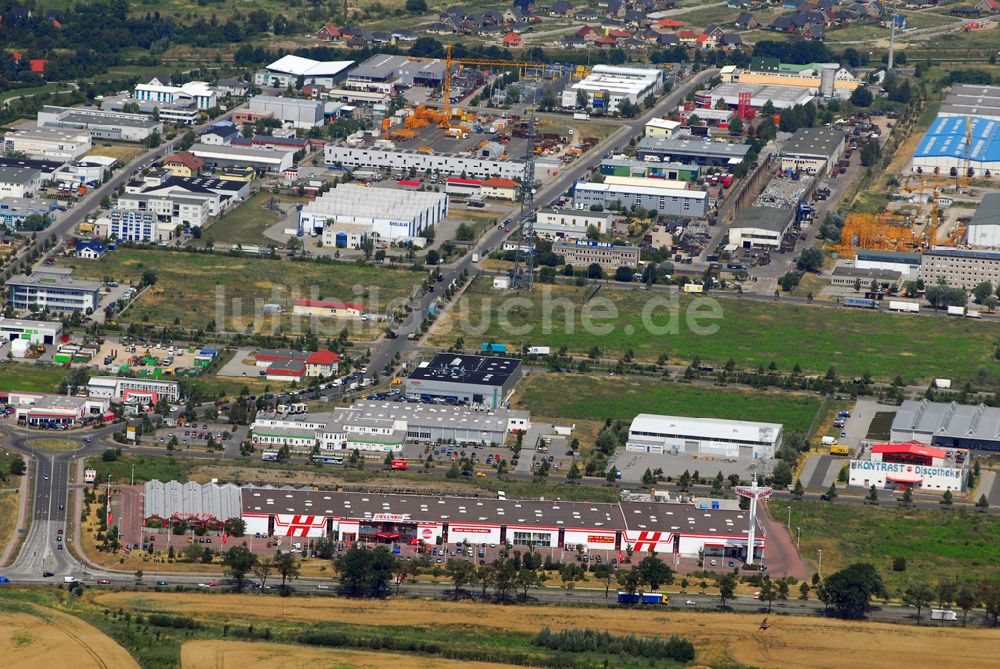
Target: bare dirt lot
242,655
791,642
35,636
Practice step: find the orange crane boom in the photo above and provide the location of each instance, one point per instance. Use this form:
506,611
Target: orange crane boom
449,61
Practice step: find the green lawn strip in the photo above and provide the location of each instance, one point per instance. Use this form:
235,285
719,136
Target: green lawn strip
30,377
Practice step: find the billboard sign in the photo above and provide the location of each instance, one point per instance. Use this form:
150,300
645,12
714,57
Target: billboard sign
89,475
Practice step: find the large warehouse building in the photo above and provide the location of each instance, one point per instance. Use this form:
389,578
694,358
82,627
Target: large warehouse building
448,164
948,425
944,149
115,126
758,226
654,197
691,151
386,213
984,228
287,71
666,528
813,150
972,100
302,114
472,379
651,433
609,85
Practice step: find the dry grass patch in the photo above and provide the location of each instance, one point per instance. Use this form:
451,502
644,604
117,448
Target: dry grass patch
790,643
34,636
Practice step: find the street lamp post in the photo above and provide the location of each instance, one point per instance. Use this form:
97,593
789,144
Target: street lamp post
820,571
798,537
788,525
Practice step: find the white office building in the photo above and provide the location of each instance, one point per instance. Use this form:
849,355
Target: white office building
169,208
52,289
122,388
47,144
609,85
387,214
560,223
198,94
652,433
19,181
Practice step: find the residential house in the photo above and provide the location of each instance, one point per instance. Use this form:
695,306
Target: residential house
739,4
586,14
988,6
687,37
183,164
90,249
328,33
782,24
715,31
747,21
561,8
669,24
731,41
920,4
666,41
705,41
815,33
512,40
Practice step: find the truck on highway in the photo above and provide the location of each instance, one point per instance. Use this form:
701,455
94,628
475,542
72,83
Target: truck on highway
839,449
829,441
475,257
943,614
629,598
956,311
899,305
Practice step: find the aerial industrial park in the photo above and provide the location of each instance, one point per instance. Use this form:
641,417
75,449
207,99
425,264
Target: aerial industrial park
668,327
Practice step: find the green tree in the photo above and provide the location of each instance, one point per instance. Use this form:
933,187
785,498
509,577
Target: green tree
982,291
966,599
861,97
810,260
767,592
654,572
799,490
287,566
238,561
604,573
365,573
727,588
918,595
946,498
851,589
461,573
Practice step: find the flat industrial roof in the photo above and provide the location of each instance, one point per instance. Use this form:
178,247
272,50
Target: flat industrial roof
87,116
972,100
889,256
18,175
210,500
379,66
235,152
365,506
867,273
693,147
642,190
358,200
814,142
781,97
441,416
43,166
971,254
470,369
706,428
765,218
54,280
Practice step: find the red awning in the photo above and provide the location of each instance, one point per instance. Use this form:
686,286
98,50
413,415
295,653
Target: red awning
905,478
387,535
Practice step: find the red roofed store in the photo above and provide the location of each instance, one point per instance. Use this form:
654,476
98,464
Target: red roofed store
911,465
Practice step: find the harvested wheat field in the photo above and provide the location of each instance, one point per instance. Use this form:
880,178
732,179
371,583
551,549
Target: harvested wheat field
243,655
35,636
791,642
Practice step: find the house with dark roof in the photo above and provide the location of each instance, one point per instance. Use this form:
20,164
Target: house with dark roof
782,24
731,41
715,31
747,21
815,33
560,8
586,14
739,4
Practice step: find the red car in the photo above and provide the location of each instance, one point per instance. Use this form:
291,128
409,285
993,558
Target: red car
103,581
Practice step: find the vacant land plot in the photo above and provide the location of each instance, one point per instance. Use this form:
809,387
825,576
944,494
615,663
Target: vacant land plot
881,426
938,545
123,153
36,636
790,642
599,397
31,378
246,223
147,468
242,655
9,499
195,289
751,332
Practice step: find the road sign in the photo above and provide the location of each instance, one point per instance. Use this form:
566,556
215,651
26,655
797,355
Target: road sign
89,475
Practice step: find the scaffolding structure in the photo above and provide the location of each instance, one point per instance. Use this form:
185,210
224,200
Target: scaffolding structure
871,232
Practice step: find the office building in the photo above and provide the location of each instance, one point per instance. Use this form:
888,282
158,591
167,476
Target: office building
582,253
560,223
960,268
20,182
52,289
340,155
125,389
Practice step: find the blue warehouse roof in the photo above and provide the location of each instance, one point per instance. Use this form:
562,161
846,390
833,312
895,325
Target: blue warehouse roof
946,138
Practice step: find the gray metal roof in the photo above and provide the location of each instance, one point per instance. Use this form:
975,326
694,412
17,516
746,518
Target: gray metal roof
948,419
692,147
859,273
19,175
765,218
814,142
473,369
209,501
890,256
988,212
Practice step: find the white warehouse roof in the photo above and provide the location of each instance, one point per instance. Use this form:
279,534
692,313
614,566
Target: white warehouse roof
706,428
356,200
642,190
307,67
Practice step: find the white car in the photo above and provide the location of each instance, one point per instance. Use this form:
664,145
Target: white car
691,602
713,563
322,586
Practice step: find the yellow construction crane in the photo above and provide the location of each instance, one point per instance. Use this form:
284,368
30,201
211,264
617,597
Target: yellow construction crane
449,62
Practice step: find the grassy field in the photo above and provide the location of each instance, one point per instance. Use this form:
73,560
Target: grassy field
881,426
721,639
55,445
31,636
750,332
30,378
937,544
123,153
247,222
187,284
245,655
596,397
147,468
8,510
